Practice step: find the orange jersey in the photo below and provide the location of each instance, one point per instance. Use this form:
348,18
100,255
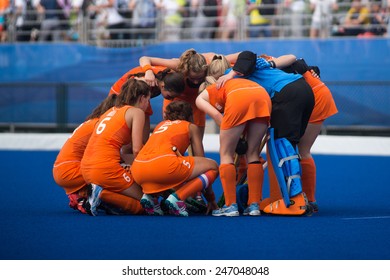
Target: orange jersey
240,100
157,167
324,106
66,169
189,95
101,161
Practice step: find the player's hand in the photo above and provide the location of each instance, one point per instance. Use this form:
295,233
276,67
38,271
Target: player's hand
315,71
211,206
150,78
223,79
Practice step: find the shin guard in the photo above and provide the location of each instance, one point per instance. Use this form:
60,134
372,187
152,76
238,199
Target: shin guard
285,162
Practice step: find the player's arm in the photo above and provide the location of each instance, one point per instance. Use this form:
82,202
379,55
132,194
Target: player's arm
196,141
146,62
146,130
171,63
202,102
223,79
135,119
283,61
232,58
127,154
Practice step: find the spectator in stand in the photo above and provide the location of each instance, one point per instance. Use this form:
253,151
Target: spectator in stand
378,19
205,13
27,22
51,24
5,9
260,13
172,13
64,15
321,20
387,10
108,19
77,13
295,10
144,16
356,20
231,15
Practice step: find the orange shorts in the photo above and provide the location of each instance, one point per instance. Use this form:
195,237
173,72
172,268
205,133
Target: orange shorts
162,172
68,176
113,178
324,106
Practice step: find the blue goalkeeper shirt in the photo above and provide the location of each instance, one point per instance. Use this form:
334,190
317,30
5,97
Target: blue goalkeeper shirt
271,79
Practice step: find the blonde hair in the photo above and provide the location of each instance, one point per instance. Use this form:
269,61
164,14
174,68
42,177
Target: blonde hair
218,66
190,60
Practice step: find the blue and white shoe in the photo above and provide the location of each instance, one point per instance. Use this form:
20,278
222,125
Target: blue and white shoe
229,211
252,210
151,205
176,206
91,205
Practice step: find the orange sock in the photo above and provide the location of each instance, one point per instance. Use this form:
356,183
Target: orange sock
197,184
309,178
255,182
227,173
127,204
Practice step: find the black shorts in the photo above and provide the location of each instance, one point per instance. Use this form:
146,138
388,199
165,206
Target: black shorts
291,110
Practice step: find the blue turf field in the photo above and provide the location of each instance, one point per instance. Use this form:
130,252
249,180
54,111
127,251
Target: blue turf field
353,222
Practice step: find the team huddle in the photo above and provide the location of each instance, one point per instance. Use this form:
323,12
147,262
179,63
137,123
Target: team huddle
112,163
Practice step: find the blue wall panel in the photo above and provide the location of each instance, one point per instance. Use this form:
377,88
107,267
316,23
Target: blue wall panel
341,60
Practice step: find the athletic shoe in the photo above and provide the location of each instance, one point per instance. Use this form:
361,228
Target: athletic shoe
176,206
151,205
229,211
91,205
252,210
314,206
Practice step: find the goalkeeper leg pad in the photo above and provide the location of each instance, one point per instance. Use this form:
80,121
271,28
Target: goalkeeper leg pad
298,206
285,162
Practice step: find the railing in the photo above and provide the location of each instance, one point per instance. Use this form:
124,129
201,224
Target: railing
82,28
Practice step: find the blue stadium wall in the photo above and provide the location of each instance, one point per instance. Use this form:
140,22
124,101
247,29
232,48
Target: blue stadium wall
88,73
